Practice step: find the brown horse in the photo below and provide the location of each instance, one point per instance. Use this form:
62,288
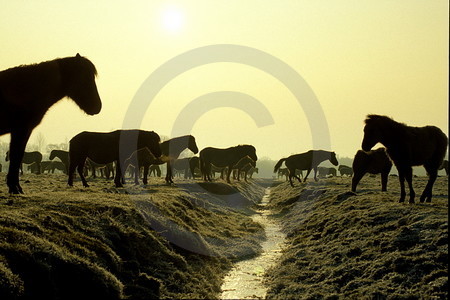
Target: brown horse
306,161
27,92
224,158
34,157
104,148
373,162
408,146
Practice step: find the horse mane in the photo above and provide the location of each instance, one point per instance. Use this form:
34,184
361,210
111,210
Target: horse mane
382,120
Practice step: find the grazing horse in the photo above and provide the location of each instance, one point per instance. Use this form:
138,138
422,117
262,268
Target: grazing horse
444,166
34,157
345,170
172,148
244,164
306,161
104,148
408,146
187,165
27,92
324,172
63,157
224,158
373,162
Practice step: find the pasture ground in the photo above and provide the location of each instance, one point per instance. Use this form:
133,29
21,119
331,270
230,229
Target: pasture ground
363,246
179,241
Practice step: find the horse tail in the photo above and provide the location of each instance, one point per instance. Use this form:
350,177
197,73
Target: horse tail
278,165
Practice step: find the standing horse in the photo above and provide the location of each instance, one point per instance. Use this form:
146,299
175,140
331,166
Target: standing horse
224,158
104,148
34,157
306,161
27,92
373,162
141,158
408,146
172,148
63,156
244,164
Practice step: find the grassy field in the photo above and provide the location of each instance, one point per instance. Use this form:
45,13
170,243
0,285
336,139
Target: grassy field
363,246
139,242
144,242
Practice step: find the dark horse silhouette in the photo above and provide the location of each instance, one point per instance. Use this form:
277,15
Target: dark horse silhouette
187,166
224,158
63,157
27,92
306,161
172,148
444,166
244,165
408,146
373,162
345,170
104,148
34,157
141,158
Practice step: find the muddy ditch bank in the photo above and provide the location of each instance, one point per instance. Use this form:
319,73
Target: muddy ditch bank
366,245
137,242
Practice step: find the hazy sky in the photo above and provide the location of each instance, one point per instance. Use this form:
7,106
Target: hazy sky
357,57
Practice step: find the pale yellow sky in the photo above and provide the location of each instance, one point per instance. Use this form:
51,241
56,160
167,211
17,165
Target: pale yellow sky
358,57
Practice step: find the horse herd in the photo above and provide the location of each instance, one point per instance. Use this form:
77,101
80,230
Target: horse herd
27,92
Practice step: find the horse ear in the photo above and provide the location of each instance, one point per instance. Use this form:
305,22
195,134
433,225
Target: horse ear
78,55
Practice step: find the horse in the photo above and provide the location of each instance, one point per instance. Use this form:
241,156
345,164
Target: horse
27,92
107,147
141,158
63,156
244,164
306,161
345,170
187,165
105,169
172,148
408,146
51,166
373,162
227,157
251,171
327,172
29,158
444,166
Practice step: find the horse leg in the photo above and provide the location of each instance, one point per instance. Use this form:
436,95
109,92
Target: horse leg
427,192
384,180
80,169
408,177
290,175
119,178
315,174
307,173
137,169
355,180
17,148
229,170
401,178
144,180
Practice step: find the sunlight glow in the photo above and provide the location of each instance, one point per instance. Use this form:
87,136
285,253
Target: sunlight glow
172,19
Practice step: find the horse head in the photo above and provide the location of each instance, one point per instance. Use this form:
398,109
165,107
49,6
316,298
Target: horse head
372,133
333,159
78,75
52,155
251,152
192,144
153,144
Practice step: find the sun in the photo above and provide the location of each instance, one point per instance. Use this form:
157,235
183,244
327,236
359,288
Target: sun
172,19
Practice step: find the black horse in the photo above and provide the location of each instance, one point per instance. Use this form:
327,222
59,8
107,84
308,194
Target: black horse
306,161
104,148
34,157
408,146
224,158
27,92
373,162
63,157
